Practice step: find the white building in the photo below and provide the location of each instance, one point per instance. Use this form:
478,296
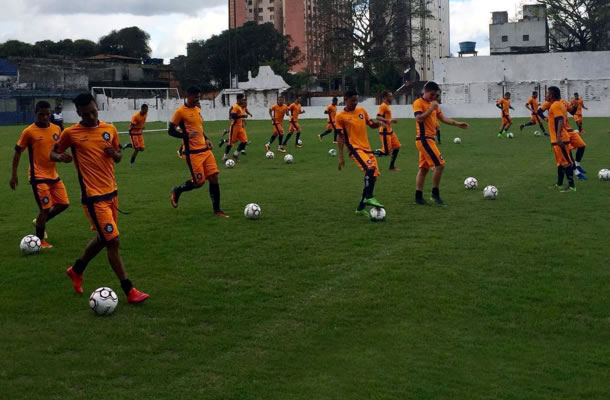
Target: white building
437,31
528,35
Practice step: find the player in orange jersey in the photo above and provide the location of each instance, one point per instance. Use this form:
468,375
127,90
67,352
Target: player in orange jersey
95,149
136,127
49,191
389,141
352,123
187,124
504,105
532,106
237,131
427,112
295,110
577,105
560,139
331,111
277,113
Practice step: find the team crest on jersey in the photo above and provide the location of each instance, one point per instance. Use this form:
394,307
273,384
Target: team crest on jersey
199,176
45,200
55,136
108,228
361,116
369,162
106,136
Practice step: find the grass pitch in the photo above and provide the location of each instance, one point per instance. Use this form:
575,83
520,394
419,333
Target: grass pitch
504,299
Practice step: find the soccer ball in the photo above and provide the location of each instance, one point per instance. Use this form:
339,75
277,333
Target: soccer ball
471,183
377,214
332,152
269,155
300,142
603,175
288,159
30,244
229,163
537,133
252,211
103,301
490,192
510,135
457,140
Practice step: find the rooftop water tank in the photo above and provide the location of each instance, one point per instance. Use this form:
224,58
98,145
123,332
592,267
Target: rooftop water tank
467,47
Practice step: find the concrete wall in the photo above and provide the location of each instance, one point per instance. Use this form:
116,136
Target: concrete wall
535,29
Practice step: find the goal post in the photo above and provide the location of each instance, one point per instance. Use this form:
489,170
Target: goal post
118,104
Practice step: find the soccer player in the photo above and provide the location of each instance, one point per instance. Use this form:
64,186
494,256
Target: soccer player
187,124
49,191
577,105
532,106
504,105
295,111
389,140
237,131
136,127
95,149
57,118
331,111
351,124
427,112
560,140
277,113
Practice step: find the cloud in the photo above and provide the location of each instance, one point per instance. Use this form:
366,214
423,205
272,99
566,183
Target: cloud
131,7
470,21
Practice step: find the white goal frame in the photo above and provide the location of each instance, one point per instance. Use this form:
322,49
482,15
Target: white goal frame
108,107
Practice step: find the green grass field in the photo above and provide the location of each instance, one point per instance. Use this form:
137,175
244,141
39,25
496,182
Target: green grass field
504,299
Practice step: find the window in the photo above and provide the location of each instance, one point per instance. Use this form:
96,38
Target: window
260,9
272,17
260,17
505,38
271,9
526,38
250,11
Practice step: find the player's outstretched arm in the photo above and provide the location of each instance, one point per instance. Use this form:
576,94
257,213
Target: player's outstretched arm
499,106
449,121
374,124
14,180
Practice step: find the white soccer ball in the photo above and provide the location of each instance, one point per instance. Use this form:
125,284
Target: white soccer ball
30,244
332,152
471,183
490,192
252,211
269,155
300,142
377,214
457,140
604,175
510,135
103,301
537,133
229,163
288,159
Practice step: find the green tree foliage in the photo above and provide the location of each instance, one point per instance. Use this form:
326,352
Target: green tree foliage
579,25
129,42
210,63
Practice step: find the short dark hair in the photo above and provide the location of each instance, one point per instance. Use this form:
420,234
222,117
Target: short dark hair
534,93
193,90
575,93
507,94
144,106
240,96
42,104
385,93
335,98
58,107
350,93
555,92
83,99
431,86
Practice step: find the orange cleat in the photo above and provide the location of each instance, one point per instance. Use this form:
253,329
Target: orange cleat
77,280
45,245
221,214
135,296
281,150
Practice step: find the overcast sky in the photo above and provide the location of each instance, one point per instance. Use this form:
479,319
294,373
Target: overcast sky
172,25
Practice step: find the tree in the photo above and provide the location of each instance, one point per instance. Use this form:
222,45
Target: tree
16,48
129,42
579,25
211,63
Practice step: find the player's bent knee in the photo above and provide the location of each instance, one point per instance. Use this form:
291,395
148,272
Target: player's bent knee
113,243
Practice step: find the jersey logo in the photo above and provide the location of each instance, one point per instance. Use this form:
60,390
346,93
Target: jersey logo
108,228
361,116
199,176
55,136
45,200
106,136
369,162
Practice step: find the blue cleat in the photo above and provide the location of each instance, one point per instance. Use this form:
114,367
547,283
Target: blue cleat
581,177
582,171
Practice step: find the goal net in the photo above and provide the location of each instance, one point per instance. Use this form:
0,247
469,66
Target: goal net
118,104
